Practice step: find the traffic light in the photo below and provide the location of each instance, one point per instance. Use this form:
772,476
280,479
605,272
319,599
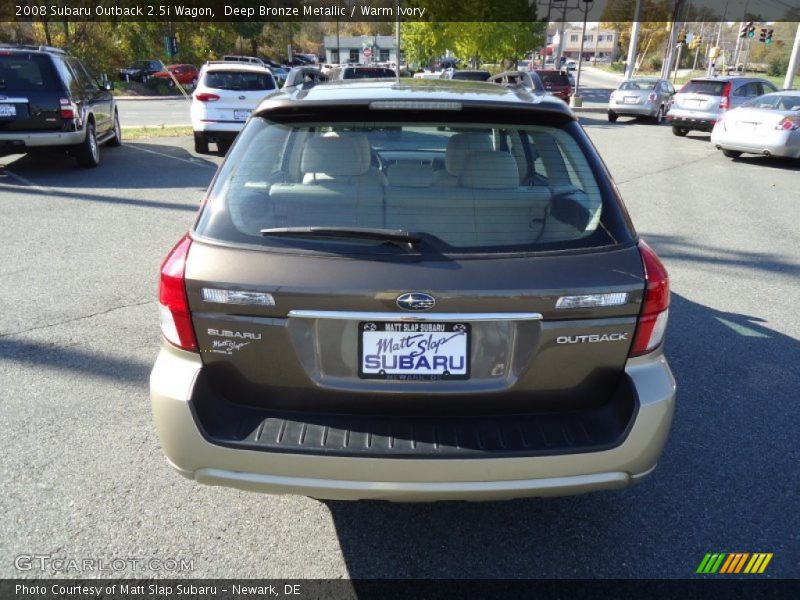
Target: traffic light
695,43
682,37
751,30
769,36
763,36
747,30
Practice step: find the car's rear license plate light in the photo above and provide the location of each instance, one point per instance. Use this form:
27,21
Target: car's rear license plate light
415,351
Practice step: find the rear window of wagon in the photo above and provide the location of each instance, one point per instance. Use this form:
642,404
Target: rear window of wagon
467,187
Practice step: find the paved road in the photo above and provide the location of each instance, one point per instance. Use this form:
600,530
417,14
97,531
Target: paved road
83,475
136,113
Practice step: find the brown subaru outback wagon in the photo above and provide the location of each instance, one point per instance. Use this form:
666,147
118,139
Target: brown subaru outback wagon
415,290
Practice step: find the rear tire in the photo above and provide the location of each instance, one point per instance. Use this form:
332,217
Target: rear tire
116,140
731,153
88,153
679,131
612,117
200,144
659,118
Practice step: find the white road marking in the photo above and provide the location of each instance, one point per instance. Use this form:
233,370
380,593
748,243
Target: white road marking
741,329
192,161
28,182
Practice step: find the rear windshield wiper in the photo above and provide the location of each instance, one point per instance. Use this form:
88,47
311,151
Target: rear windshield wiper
384,235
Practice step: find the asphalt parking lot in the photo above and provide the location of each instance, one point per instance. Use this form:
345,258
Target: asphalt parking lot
84,477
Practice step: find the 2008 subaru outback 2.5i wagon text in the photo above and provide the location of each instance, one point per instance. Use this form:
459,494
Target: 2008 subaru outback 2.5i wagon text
413,291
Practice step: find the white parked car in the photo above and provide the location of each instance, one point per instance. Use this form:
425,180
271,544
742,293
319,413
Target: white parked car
768,125
226,94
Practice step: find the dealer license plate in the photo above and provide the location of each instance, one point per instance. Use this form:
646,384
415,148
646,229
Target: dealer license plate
241,115
413,351
8,110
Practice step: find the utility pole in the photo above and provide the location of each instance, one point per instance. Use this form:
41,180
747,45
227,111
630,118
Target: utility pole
397,40
793,60
557,59
637,18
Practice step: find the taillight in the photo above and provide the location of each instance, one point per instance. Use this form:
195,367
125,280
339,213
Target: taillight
176,320
789,124
67,108
652,96
655,306
726,101
206,97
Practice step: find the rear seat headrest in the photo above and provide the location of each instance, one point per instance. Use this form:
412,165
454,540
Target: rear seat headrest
343,155
490,171
460,145
410,175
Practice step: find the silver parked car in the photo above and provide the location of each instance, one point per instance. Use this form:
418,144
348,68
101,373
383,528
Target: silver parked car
768,125
644,97
701,101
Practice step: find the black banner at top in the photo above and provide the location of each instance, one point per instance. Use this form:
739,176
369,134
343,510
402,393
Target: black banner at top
404,10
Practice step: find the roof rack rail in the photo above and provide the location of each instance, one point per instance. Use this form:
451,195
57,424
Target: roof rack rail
33,47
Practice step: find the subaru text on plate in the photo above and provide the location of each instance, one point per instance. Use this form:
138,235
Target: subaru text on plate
413,291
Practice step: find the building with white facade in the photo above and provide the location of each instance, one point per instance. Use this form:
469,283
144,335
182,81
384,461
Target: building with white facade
363,49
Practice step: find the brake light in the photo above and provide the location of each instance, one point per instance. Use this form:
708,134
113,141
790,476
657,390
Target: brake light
652,97
655,305
176,319
789,124
206,97
726,101
67,108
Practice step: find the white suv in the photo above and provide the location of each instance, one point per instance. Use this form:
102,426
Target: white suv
226,94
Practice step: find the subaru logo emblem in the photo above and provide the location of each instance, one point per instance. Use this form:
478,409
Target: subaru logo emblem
415,301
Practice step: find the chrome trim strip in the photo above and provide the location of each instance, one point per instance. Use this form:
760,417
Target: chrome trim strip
13,100
398,316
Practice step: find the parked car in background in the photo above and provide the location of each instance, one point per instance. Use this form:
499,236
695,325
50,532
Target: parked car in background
556,82
768,125
460,311
641,97
427,75
571,65
141,70
466,74
360,72
701,101
226,94
50,100
185,74
253,60
519,79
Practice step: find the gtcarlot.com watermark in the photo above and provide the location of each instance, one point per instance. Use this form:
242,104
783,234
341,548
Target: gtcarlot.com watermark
58,565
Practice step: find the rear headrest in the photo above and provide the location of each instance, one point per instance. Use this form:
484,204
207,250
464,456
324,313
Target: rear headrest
410,175
343,155
490,171
461,144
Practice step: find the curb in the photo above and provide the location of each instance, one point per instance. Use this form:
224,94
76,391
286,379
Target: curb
599,110
128,98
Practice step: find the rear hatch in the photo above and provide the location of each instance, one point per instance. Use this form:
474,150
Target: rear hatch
523,277
238,90
29,93
700,95
555,82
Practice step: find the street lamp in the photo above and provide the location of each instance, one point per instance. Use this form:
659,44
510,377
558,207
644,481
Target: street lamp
576,99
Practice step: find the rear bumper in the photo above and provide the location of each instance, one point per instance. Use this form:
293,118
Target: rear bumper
777,144
172,385
19,142
634,110
702,121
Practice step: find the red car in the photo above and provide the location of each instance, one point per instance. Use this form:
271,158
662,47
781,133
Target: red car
556,82
185,74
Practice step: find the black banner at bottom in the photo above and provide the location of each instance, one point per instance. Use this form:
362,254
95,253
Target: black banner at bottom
320,589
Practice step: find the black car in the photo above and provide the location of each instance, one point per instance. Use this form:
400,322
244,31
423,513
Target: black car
51,100
361,72
141,70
